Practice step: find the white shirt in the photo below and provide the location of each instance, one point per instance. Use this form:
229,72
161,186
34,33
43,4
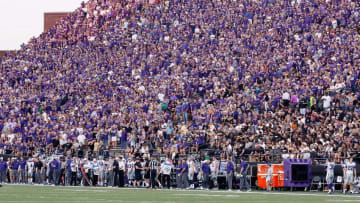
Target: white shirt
81,138
327,101
286,96
121,165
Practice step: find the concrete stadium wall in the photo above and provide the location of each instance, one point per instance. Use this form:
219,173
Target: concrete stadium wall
2,52
50,19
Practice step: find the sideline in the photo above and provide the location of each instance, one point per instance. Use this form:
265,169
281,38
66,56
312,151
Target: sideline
209,192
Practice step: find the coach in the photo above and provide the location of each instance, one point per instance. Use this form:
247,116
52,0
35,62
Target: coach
229,173
205,169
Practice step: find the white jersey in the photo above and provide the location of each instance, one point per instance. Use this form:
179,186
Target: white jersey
166,168
214,167
30,166
350,167
122,165
130,165
330,166
269,172
191,165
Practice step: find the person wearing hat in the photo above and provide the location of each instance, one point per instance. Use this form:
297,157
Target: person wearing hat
205,170
269,175
3,168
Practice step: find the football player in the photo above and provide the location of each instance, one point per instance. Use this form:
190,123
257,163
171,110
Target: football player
349,175
330,166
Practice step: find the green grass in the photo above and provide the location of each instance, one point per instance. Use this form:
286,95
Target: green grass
39,194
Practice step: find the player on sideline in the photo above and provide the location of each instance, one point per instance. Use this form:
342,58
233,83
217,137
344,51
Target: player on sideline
269,175
330,166
30,170
349,173
191,165
130,164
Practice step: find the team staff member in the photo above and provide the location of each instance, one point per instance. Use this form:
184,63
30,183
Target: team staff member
229,173
244,166
184,174
138,169
178,174
38,175
55,171
205,170
3,168
73,168
21,170
68,171
147,172
116,171
14,166
121,172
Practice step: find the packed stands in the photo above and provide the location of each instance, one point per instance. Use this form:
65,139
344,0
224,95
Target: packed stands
260,79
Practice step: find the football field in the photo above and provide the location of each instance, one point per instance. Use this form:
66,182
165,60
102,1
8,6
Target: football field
38,194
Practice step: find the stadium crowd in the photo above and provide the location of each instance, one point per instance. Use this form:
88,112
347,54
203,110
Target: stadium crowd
174,77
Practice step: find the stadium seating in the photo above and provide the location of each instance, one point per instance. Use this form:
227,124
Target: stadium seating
259,79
